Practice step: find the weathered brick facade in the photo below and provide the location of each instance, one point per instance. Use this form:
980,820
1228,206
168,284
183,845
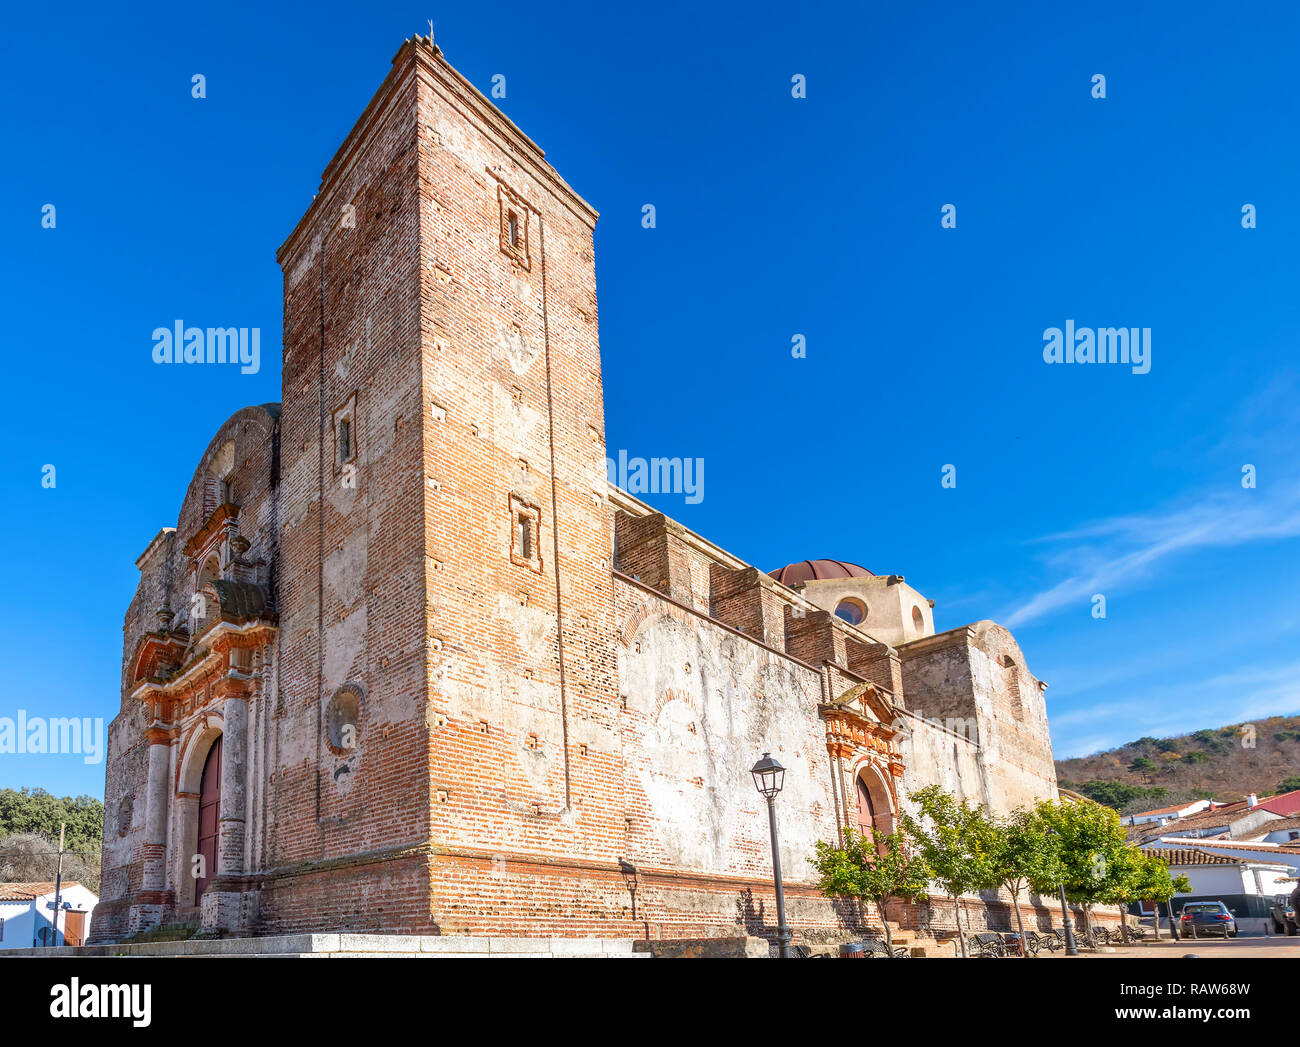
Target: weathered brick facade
456,675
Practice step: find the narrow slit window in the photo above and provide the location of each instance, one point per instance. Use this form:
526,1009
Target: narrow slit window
513,220
526,536
343,421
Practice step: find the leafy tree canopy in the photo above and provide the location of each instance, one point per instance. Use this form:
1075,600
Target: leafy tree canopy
37,811
955,840
1090,843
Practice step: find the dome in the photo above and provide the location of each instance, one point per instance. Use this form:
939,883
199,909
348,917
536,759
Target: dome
817,570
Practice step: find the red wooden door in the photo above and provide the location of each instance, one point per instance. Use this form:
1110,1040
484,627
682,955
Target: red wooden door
866,812
74,928
209,817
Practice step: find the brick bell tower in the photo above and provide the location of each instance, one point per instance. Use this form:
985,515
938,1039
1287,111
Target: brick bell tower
447,755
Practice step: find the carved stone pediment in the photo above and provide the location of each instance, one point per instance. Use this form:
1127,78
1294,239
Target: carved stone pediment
158,656
860,722
868,701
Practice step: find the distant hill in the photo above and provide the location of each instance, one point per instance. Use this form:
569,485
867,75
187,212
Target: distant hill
1225,763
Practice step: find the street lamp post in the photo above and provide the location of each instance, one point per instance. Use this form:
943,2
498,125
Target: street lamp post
769,777
1070,948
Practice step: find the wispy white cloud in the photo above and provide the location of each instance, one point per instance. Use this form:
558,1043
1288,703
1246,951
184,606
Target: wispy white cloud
1152,662
1256,694
1112,554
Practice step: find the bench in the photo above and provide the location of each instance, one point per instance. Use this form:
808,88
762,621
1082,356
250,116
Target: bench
985,944
1051,941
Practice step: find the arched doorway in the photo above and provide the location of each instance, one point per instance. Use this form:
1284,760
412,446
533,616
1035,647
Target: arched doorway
875,812
209,817
866,810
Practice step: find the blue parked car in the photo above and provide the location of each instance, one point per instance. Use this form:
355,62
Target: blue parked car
1207,919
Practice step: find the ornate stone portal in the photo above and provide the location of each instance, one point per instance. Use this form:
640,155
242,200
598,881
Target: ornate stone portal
196,684
860,738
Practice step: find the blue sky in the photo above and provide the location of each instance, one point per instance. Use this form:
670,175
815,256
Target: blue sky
775,216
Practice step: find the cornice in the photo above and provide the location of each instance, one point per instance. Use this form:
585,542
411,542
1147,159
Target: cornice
222,513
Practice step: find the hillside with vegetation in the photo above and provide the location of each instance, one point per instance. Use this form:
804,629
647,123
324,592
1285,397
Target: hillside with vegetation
29,836
1223,763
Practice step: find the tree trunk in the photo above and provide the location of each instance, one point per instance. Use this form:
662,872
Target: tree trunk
1020,923
961,938
1087,924
889,938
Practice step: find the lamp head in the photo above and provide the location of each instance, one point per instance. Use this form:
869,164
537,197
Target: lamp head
769,776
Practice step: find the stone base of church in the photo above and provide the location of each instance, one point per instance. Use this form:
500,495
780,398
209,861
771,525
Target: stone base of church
376,945
230,907
419,891
145,915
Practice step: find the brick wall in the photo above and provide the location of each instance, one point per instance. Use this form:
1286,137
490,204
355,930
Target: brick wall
529,713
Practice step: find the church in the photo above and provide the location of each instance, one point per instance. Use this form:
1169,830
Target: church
409,662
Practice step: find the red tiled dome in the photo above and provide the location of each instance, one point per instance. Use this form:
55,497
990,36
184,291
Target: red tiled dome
816,570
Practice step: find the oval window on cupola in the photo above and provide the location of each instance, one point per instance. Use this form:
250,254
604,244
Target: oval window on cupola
852,611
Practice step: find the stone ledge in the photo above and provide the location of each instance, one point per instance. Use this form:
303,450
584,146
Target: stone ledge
705,948
345,945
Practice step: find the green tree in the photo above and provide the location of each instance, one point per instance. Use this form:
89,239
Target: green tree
1119,795
1112,794
1022,855
1152,880
1089,841
1290,784
37,811
870,869
956,841
1144,766
1122,882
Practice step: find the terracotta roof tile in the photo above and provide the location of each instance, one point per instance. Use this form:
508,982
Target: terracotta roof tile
1200,820
1282,850
19,892
1165,810
1174,856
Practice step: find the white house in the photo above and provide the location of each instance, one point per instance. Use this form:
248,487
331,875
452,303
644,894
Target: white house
1167,814
1284,830
27,914
1245,877
1227,821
